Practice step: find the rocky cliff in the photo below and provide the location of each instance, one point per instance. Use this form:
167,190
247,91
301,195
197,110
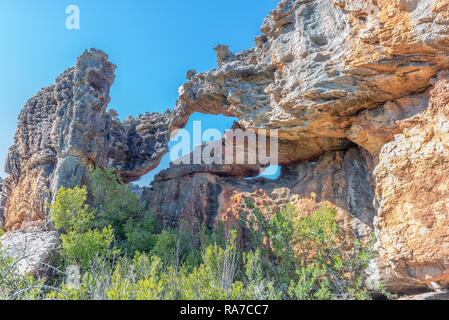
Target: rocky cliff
412,194
3,201
63,129
357,90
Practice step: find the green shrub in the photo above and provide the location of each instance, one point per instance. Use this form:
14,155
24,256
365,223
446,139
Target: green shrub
285,257
282,257
80,241
70,213
118,206
80,248
258,285
67,293
14,286
208,237
146,278
140,233
176,246
303,257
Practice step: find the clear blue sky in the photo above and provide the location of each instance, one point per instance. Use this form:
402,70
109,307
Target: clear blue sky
153,43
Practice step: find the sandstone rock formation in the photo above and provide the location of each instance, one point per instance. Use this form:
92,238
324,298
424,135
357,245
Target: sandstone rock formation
63,129
325,73
342,178
352,88
319,64
412,195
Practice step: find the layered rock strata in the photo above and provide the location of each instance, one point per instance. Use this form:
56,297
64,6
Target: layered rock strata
65,128
412,196
357,92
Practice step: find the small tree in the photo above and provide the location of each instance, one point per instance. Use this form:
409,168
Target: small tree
80,240
119,207
70,213
303,257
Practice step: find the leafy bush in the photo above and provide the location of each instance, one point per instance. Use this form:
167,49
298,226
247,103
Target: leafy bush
80,242
304,257
148,278
80,248
279,256
119,207
70,213
176,246
258,285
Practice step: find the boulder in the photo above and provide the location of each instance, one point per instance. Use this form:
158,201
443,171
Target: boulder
34,252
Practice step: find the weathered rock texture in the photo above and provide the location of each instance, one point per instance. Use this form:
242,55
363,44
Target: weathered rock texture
326,73
412,195
350,85
321,63
33,252
65,128
3,201
341,178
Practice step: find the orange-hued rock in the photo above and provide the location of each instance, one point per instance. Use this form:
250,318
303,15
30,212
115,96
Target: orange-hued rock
27,204
325,73
62,130
412,196
350,85
320,66
303,204
342,179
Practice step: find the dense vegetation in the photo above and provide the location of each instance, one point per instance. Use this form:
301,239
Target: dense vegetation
115,249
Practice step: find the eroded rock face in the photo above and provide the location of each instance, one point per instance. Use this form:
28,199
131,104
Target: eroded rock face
65,128
318,65
325,73
346,83
412,195
3,201
342,179
373,128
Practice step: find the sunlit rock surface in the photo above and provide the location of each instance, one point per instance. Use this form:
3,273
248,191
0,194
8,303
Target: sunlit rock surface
357,92
412,196
33,252
65,128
